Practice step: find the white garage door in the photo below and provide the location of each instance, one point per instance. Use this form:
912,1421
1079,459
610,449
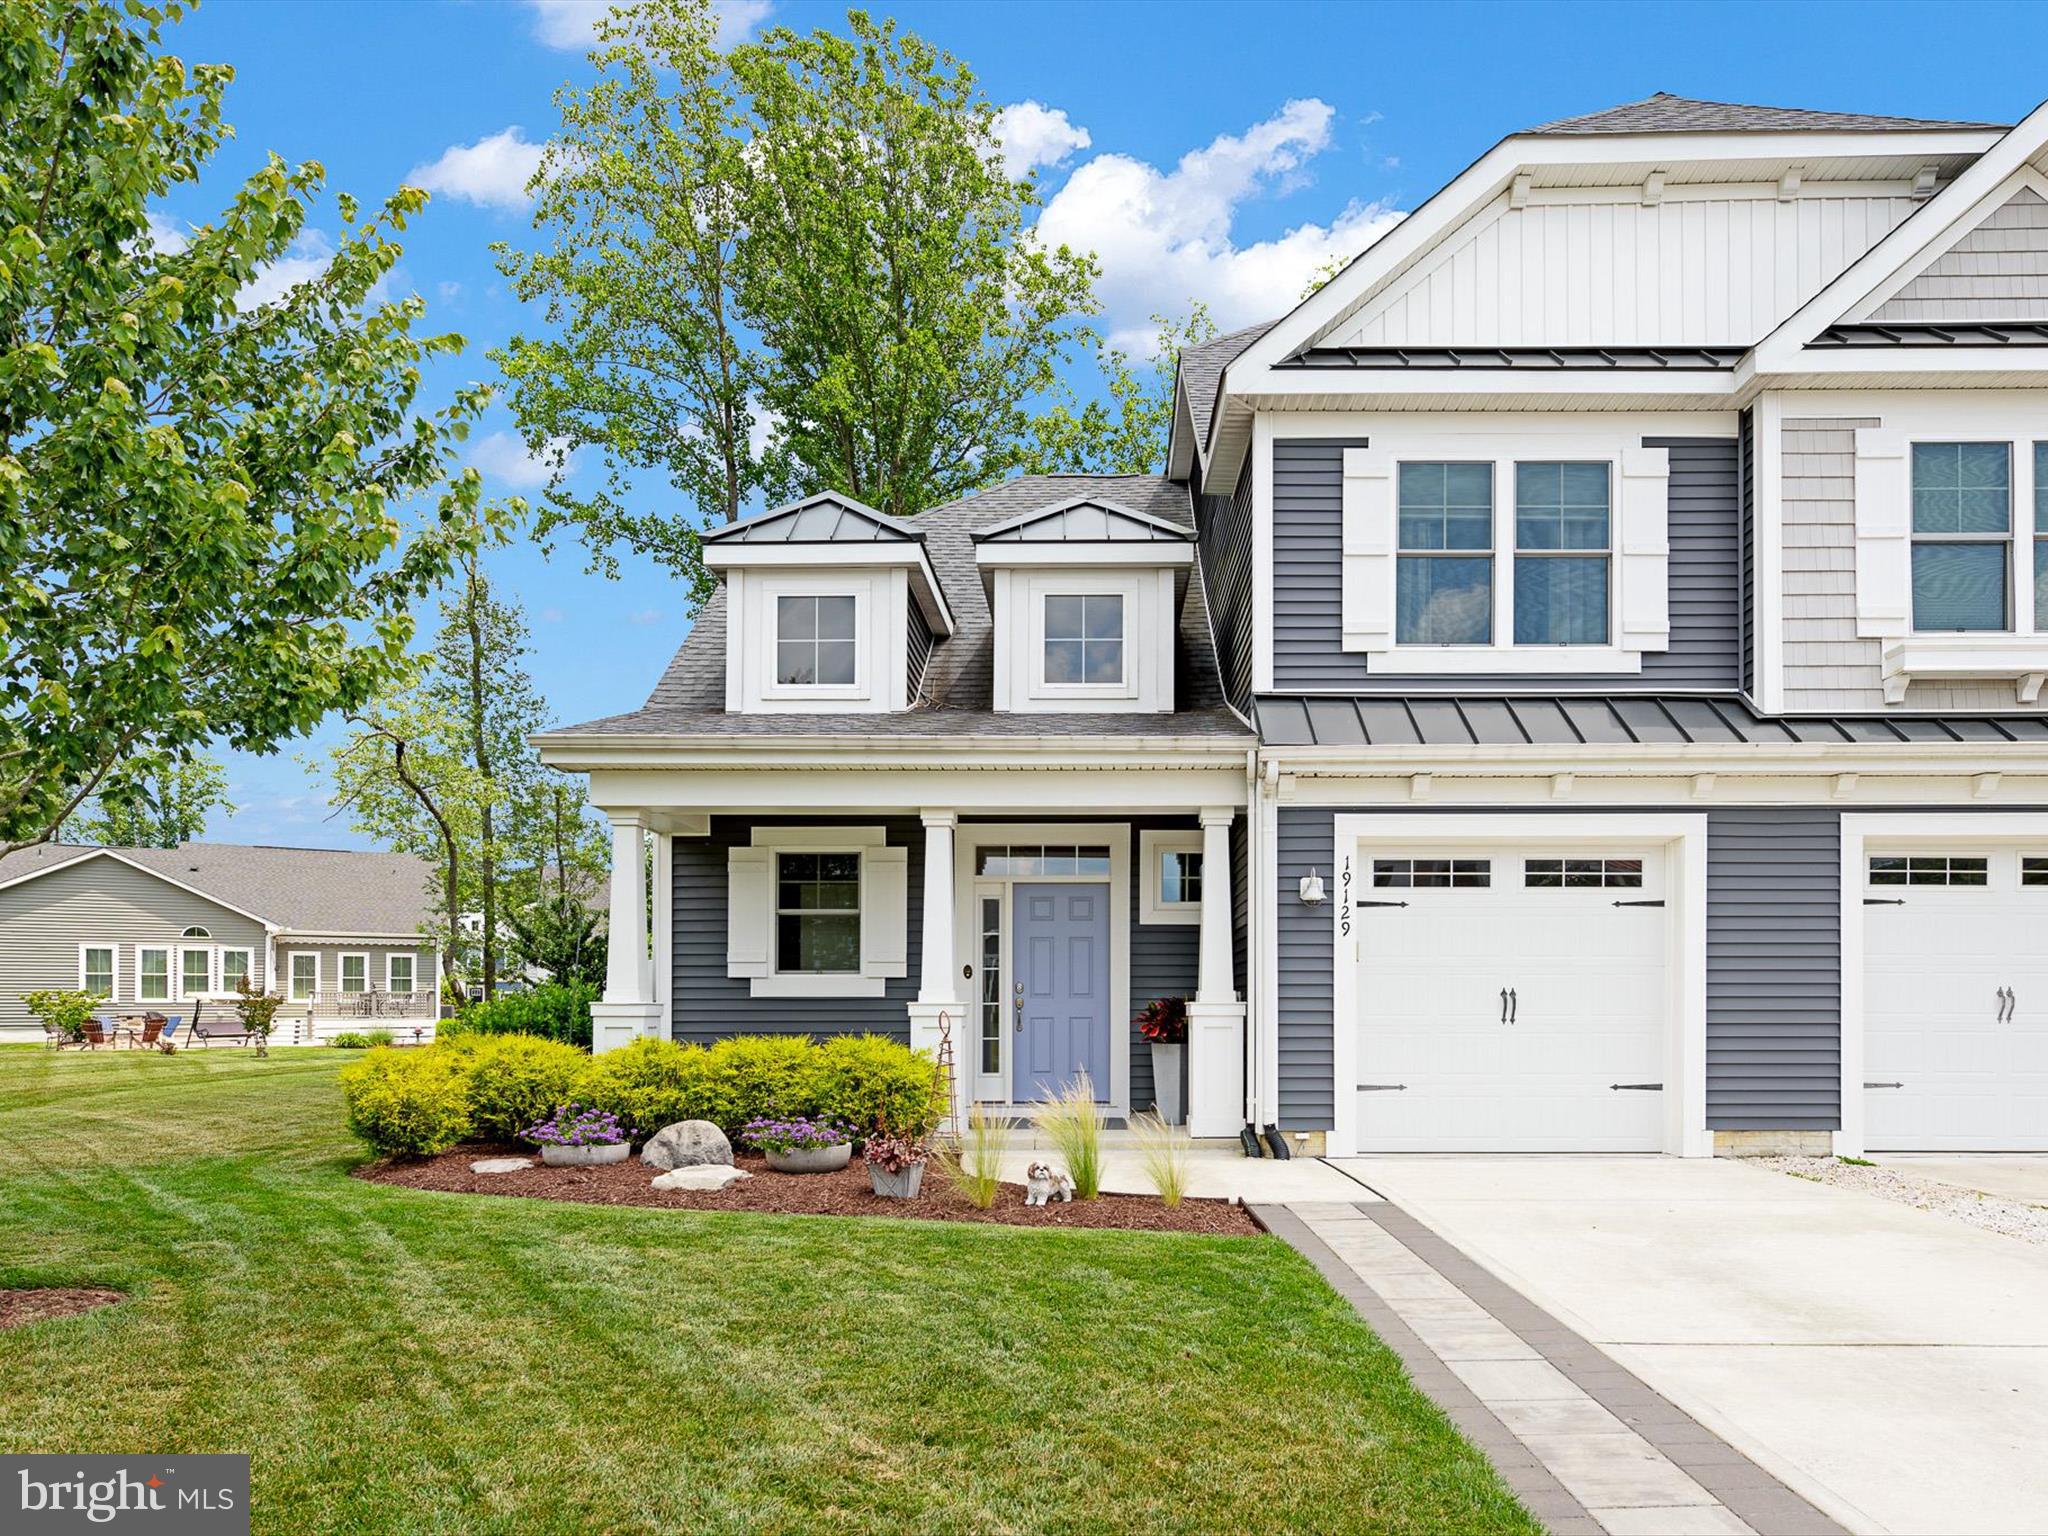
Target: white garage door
1511,1000
1955,999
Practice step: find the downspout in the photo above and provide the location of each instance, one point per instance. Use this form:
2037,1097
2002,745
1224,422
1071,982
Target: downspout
1254,1049
1269,941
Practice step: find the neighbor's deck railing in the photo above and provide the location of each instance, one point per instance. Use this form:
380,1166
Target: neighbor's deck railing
371,1005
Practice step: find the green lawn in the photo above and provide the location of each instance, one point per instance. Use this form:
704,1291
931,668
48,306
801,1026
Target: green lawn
419,1363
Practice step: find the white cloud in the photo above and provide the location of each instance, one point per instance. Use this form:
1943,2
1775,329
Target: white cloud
165,233
645,618
309,255
1034,135
491,173
448,290
1163,238
504,457
570,23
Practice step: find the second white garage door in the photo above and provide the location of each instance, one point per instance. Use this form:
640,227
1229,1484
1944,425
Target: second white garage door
1511,1000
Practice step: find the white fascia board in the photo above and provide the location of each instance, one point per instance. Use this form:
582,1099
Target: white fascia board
880,555
765,790
1780,352
1902,367
1700,388
1630,760
828,753
1107,554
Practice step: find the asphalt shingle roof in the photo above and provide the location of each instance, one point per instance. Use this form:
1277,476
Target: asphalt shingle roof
960,678
307,890
1665,113
1201,370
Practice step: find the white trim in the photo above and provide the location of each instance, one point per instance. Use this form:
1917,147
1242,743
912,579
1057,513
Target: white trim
108,853
411,958
969,837
220,965
1152,844
815,587
817,984
664,929
291,988
909,557
1859,829
823,839
1129,605
170,976
867,979
1264,434
1685,837
114,968
1125,554
341,972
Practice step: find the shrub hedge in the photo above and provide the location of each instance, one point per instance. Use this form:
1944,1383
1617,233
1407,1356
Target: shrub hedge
554,1011
492,1088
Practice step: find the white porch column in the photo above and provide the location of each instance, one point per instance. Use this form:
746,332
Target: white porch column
1216,1016
628,1011
938,986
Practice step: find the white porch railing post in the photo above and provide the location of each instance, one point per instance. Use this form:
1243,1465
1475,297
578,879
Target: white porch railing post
1216,1016
938,989
628,1010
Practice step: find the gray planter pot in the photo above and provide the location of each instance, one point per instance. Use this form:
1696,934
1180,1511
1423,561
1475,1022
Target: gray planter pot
897,1186
811,1159
584,1157
1166,1081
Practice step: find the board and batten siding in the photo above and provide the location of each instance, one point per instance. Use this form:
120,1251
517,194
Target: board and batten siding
1773,968
1165,962
102,901
1224,542
1707,266
1829,668
1998,271
708,1005
1705,577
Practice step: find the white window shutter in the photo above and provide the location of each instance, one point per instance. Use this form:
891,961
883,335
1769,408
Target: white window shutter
749,911
885,912
1368,550
1643,550
1884,535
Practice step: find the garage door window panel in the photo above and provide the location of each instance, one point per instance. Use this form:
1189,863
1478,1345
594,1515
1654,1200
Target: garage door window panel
2034,870
1583,874
1432,874
1930,869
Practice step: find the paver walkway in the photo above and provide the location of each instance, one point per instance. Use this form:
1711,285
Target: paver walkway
1588,1448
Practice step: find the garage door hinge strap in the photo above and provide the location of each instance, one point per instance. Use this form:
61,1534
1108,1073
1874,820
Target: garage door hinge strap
1379,903
1657,903
1382,1087
1637,1087
1884,1085
1884,901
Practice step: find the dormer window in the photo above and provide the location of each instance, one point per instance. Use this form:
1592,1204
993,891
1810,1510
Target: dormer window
817,642
830,607
1086,597
1084,640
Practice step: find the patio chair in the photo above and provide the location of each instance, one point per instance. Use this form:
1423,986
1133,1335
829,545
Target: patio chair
170,1028
152,1031
98,1033
228,1027
54,1037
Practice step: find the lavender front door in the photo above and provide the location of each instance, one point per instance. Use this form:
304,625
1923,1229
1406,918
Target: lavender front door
1061,954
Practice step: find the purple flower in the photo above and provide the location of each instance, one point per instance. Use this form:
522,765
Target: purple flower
794,1133
570,1125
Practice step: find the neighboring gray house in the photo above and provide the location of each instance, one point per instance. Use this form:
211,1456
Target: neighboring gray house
337,932
1578,686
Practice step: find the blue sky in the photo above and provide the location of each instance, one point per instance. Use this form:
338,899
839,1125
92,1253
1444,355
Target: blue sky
1206,150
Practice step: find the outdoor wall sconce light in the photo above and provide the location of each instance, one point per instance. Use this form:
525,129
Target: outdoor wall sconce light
1311,889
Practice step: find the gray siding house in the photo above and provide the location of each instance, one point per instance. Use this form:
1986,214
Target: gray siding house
1577,685
337,932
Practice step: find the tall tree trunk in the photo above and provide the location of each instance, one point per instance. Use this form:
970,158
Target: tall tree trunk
488,874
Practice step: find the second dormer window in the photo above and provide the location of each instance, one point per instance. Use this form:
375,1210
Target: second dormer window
1084,640
816,641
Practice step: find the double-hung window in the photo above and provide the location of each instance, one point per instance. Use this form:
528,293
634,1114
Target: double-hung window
398,973
305,976
1443,568
195,972
817,643
817,913
234,969
96,970
152,975
355,973
1084,640
1962,536
1562,550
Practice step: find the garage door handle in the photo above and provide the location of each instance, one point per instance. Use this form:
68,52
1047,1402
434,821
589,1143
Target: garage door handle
1503,1005
2008,1004
1514,1004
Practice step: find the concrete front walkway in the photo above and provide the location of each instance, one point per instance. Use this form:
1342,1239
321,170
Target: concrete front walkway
1889,1364
1214,1172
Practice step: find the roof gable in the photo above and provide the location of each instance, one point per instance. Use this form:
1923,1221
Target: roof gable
1995,268
1084,520
827,518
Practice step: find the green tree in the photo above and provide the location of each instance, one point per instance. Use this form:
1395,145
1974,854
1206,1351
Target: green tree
797,265
200,494
158,806
1127,434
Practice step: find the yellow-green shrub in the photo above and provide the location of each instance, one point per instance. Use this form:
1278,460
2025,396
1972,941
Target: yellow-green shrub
649,1084
517,1080
749,1075
408,1103
870,1081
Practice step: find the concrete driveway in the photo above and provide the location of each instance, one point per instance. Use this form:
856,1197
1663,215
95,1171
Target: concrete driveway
1889,1364
2012,1176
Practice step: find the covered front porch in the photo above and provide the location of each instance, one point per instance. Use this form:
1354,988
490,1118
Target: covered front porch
1016,922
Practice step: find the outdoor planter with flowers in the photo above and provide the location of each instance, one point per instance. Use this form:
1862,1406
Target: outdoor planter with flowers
896,1164
1165,1023
800,1145
574,1137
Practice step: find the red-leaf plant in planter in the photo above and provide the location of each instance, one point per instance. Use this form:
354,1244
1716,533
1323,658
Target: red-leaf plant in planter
1165,1024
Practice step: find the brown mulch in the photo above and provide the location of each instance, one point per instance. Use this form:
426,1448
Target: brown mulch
846,1193
34,1306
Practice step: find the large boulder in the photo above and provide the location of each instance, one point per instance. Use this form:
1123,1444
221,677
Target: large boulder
687,1144
702,1176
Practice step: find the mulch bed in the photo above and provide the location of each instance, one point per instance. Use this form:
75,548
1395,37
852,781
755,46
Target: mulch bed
34,1306
846,1193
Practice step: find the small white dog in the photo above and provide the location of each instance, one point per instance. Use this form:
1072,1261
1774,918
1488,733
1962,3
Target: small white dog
1042,1181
